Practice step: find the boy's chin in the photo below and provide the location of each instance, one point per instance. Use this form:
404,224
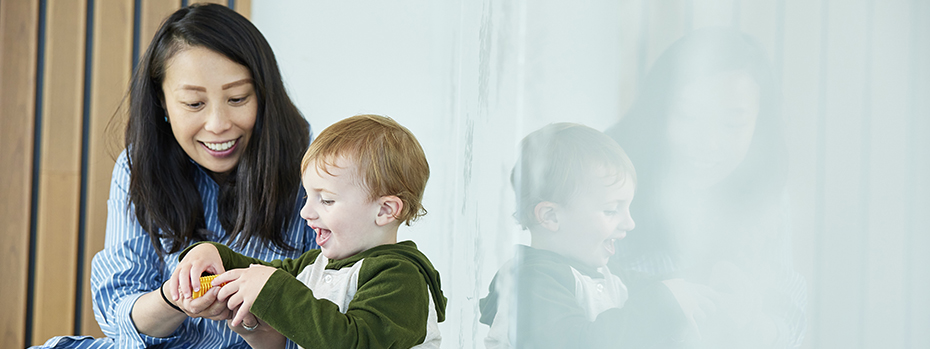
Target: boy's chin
598,263
329,253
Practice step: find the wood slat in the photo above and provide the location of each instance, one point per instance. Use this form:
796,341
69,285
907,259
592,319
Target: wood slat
59,170
18,43
153,12
244,7
110,74
221,2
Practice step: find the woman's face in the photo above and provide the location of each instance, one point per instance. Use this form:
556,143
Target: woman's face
211,106
710,127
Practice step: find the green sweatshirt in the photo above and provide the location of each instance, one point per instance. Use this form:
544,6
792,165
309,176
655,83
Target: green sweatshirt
542,299
386,297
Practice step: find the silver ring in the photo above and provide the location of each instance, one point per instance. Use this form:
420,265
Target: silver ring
249,328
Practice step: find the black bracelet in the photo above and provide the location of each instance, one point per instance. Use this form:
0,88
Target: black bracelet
162,290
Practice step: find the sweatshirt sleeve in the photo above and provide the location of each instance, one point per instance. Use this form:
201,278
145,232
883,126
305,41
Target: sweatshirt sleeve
389,310
234,260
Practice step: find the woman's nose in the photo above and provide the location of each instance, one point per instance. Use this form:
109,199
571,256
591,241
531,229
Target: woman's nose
217,120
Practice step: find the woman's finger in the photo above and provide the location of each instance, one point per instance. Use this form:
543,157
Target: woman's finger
184,285
172,285
196,271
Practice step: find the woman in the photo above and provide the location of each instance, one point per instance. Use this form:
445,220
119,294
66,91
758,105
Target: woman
213,148
706,138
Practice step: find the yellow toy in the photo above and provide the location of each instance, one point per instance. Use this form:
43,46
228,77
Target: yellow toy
205,285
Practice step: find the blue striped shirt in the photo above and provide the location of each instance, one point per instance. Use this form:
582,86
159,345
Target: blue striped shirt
129,267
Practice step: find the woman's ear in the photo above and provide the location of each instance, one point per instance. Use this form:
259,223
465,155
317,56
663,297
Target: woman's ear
389,207
547,215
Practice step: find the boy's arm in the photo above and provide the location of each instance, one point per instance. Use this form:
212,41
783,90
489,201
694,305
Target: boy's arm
389,309
232,259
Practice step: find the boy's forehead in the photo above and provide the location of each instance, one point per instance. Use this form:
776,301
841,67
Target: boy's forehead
334,167
331,164
612,186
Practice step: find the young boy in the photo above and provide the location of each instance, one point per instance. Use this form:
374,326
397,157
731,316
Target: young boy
364,176
573,186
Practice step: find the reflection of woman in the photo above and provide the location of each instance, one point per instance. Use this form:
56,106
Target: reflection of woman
706,137
213,146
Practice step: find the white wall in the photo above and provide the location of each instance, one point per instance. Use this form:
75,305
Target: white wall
469,79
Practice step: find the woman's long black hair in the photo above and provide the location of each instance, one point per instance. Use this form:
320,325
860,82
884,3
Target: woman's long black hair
257,199
753,187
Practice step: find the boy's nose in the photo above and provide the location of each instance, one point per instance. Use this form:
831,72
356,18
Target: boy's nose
627,224
307,212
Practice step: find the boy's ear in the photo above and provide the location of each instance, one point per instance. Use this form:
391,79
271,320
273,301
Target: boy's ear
389,207
547,215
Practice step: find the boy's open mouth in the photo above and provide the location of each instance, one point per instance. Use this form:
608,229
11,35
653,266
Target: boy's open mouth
609,246
322,235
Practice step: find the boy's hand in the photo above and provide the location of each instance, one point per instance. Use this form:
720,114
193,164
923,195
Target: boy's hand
200,259
242,288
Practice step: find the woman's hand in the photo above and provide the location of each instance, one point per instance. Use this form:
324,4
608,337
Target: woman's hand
241,288
186,277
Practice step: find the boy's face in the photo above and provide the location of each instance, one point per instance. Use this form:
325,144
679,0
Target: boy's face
339,210
595,217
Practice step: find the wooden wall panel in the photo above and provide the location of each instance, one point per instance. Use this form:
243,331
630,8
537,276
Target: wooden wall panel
59,170
244,7
18,49
221,2
110,74
842,257
153,13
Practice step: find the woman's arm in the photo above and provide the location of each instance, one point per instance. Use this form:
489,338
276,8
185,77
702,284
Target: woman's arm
127,274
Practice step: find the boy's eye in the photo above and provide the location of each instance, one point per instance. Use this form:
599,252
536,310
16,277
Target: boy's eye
611,212
326,202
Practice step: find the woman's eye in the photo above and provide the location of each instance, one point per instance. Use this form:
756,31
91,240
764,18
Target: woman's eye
239,100
195,105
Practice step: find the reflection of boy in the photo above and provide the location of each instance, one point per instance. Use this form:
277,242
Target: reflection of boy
574,186
364,176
